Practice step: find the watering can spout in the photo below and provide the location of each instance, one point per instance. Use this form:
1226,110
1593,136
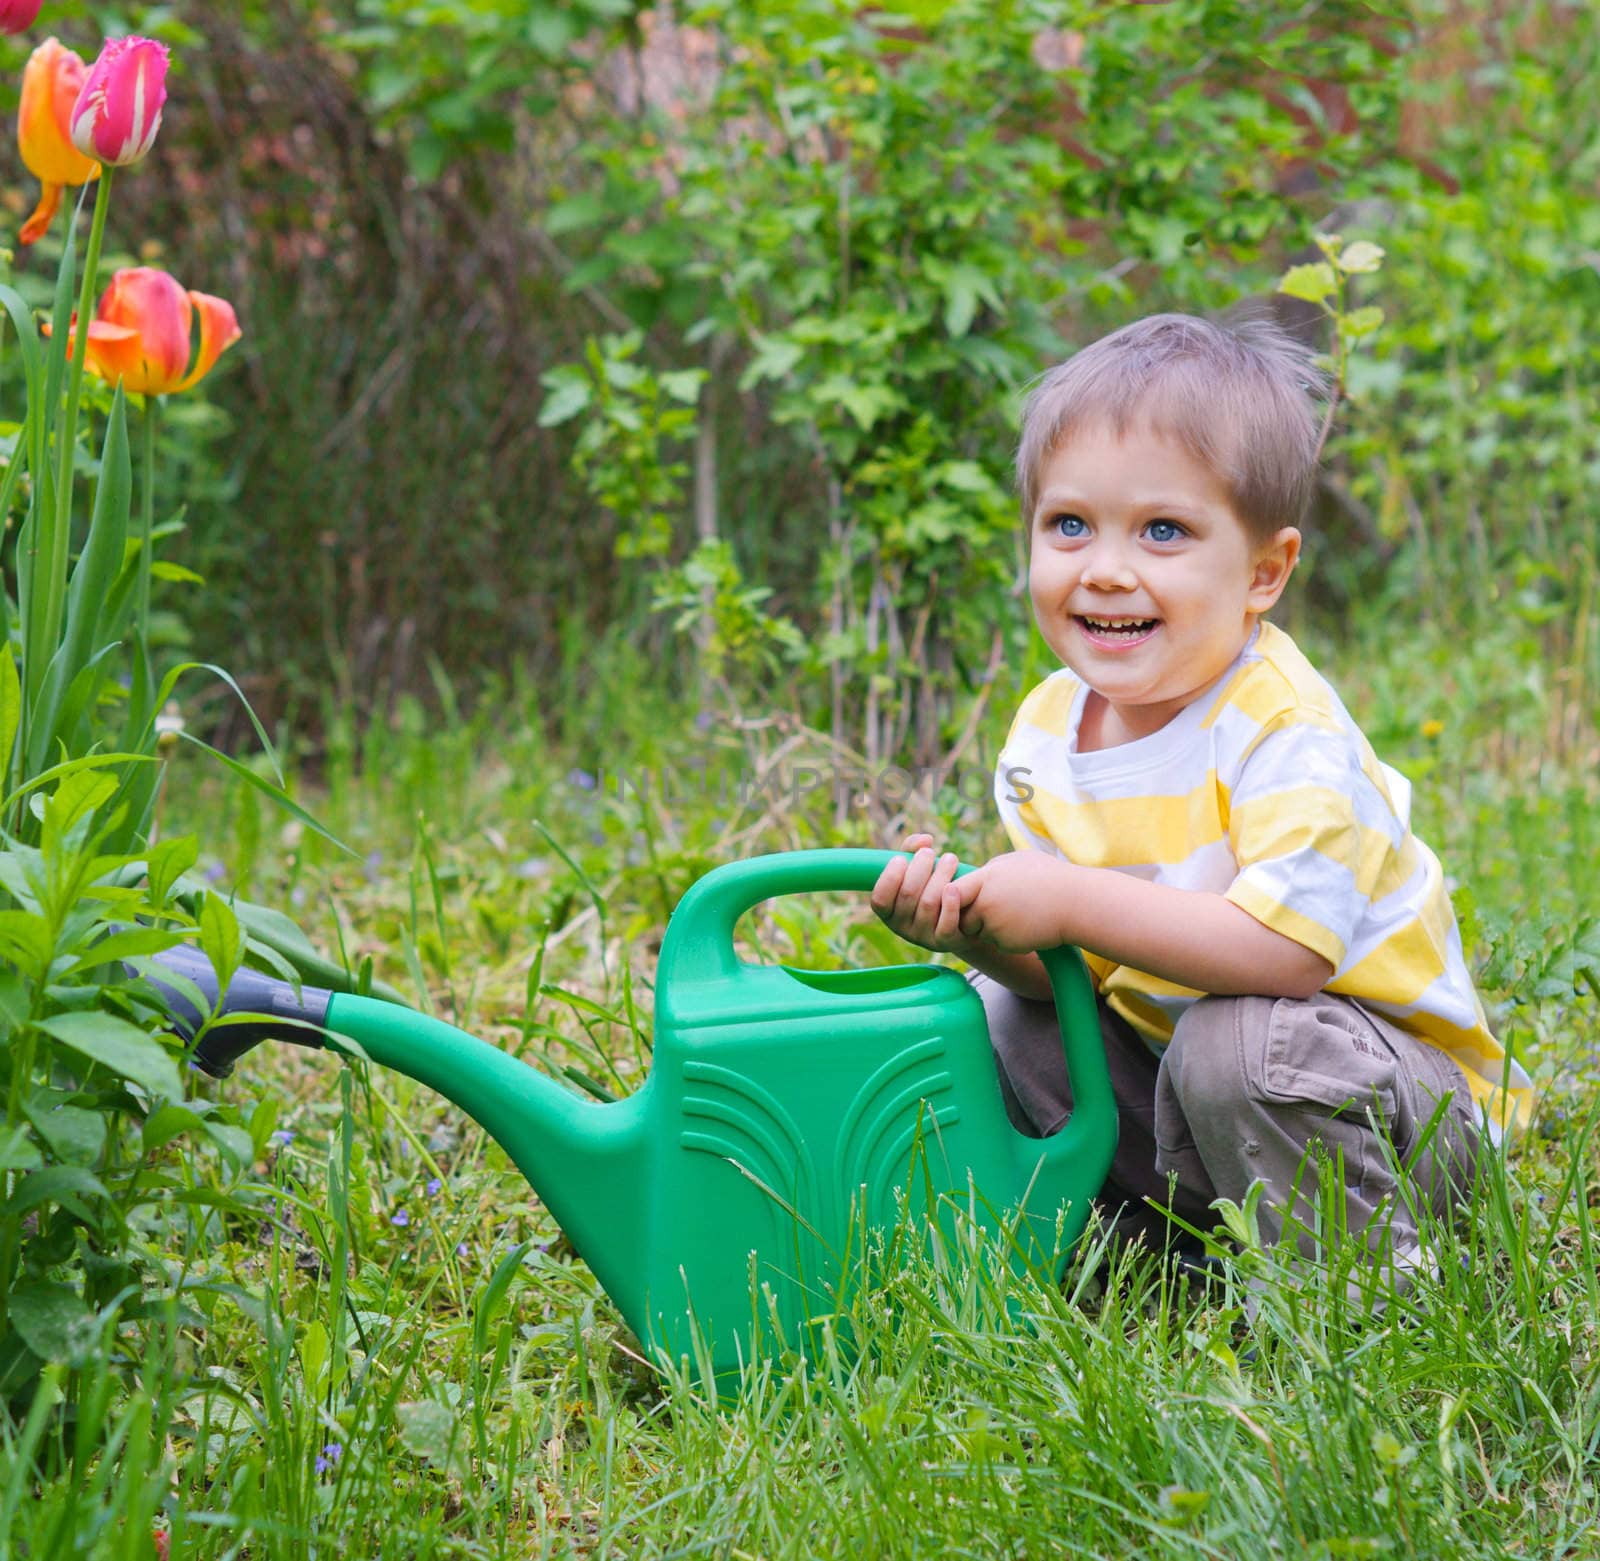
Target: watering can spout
582,1157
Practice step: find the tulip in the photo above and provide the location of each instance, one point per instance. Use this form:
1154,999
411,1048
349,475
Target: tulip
51,81
140,333
17,16
119,110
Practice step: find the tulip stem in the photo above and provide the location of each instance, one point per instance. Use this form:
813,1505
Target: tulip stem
56,595
147,519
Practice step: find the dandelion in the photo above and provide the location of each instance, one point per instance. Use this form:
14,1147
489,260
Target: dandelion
1432,729
400,1218
169,726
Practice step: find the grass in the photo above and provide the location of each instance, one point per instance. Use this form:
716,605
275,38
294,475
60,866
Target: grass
381,1344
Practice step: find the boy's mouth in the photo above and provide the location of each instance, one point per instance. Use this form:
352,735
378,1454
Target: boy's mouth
1117,631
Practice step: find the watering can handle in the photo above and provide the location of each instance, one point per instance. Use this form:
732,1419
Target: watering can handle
699,947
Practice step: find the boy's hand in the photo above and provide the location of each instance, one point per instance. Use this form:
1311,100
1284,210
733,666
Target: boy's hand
917,898
1014,902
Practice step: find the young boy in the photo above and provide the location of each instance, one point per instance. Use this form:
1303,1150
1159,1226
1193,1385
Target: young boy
1276,958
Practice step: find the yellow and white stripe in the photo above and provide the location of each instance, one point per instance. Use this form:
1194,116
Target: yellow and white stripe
1266,791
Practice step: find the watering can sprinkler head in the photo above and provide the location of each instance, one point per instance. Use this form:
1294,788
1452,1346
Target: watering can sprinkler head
278,1012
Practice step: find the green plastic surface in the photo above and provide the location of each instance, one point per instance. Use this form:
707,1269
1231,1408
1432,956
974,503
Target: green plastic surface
784,1113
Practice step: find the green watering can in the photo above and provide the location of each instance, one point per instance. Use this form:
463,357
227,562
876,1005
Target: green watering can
785,1112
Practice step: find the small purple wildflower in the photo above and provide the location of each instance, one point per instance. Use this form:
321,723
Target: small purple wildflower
582,779
282,1137
705,721
215,872
373,865
434,1184
461,1249
399,1217
328,1457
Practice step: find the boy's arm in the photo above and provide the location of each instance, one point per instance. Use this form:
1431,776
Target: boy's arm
1022,973
1028,900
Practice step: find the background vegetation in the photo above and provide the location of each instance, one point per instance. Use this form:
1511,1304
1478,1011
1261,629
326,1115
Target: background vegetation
630,393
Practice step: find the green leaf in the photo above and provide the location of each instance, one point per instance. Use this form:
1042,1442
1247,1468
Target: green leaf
428,1429
277,793
166,1123
569,395
67,1185
27,338
10,709
167,862
1361,322
25,941
123,1048
1360,257
775,358
54,1322
315,1352
220,938
490,1297
92,761
683,384
1313,283
162,570
76,1136
580,211
17,1151
963,287
81,792
101,559
125,945
233,1141
866,403
964,477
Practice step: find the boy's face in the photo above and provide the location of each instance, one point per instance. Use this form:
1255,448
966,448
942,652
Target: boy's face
1143,578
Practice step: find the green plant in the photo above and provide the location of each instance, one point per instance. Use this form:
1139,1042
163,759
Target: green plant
877,228
94,1094
630,415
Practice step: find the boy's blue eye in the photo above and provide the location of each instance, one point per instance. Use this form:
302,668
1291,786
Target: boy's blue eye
1164,530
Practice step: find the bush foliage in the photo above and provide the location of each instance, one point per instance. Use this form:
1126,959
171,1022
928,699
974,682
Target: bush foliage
867,232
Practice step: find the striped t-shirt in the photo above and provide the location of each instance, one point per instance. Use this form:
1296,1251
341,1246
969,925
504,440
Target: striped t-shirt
1264,790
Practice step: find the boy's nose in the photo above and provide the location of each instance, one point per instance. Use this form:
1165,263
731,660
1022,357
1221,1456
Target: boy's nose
1109,568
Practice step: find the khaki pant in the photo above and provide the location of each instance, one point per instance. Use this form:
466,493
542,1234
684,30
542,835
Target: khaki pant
1246,1087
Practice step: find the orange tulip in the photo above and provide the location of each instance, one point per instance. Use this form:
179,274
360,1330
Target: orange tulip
51,82
140,333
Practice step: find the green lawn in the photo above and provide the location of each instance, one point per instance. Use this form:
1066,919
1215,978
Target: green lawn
386,1349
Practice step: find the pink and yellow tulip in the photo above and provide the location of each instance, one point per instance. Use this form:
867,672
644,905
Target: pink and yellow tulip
118,113
140,333
51,82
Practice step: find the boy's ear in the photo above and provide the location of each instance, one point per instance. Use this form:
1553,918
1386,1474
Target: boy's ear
1274,564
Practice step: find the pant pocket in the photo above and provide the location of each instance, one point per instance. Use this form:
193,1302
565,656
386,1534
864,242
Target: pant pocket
1325,1052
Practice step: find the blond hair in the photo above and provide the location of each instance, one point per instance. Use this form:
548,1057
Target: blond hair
1239,396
